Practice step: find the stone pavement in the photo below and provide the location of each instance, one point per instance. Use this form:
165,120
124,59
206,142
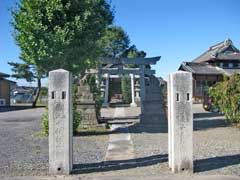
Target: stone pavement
162,177
120,145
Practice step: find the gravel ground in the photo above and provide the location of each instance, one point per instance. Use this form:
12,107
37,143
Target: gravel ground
24,152
216,148
216,145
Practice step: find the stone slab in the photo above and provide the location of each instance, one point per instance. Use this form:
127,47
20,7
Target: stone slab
181,122
60,122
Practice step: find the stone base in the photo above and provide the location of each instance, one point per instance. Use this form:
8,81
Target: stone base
133,105
88,113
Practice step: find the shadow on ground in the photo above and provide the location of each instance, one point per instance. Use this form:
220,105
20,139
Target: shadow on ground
204,121
148,128
17,108
207,115
119,165
216,162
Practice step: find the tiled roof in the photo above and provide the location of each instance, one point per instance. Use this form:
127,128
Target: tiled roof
230,72
214,52
206,69
4,75
201,68
230,56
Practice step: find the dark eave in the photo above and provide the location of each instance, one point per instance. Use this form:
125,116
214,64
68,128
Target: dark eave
3,75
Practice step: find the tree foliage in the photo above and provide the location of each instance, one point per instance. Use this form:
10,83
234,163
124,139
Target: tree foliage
226,96
133,52
58,34
115,42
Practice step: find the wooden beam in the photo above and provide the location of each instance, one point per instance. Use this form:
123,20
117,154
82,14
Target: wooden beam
137,61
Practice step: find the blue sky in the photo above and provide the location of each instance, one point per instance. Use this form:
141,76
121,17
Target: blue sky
176,30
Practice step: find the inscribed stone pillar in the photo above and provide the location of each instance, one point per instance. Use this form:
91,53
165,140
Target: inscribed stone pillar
60,122
105,104
133,104
180,122
169,123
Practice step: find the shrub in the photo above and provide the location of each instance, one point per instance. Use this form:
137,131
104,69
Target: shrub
44,122
76,116
126,89
226,96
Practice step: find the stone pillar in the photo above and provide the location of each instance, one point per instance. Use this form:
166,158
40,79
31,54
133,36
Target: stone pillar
133,104
60,122
105,103
137,89
142,83
169,123
180,118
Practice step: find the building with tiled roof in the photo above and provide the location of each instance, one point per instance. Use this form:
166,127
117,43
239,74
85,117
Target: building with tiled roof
222,59
5,89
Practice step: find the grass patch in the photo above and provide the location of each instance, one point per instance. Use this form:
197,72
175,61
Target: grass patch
38,134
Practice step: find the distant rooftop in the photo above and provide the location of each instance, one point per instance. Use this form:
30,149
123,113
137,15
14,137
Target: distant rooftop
206,69
2,75
201,68
224,50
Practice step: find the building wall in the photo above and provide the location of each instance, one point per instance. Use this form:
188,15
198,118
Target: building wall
200,82
5,91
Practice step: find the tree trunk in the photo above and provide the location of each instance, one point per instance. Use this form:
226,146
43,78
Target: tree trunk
38,92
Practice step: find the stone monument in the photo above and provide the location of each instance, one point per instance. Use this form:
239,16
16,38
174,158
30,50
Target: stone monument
60,122
180,122
86,106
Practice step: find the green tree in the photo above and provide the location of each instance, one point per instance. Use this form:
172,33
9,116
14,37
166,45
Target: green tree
58,34
133,52
114,42
226,96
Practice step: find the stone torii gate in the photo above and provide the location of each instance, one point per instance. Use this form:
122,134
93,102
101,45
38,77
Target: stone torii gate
120,69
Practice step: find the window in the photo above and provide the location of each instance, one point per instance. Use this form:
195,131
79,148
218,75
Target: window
235,64
225,65
230,65
220,64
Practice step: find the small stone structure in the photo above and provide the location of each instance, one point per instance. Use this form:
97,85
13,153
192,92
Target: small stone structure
86,106
180,122
153,106
60,122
